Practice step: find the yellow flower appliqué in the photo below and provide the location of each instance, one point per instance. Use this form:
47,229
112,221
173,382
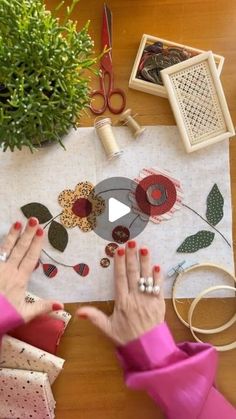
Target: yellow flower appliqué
80,207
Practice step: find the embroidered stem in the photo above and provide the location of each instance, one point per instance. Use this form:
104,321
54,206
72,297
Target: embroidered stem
49,222
56,261
110,190
133,221
214,228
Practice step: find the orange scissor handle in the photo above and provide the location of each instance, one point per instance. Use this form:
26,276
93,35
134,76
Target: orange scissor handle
107,95
118,92
102,94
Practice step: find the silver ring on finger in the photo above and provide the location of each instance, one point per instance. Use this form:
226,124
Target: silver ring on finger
156,289
3,256
146,285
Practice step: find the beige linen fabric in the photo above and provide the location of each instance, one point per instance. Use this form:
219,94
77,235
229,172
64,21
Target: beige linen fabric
42,176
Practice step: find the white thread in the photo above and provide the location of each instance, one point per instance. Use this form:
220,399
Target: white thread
104,130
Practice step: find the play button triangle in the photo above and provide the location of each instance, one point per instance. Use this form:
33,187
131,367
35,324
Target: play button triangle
116,210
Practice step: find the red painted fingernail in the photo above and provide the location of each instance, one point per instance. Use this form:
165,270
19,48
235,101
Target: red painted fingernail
121,251
56,307
144,252
131,244
33,222
39,232
157,268
83,316
17,225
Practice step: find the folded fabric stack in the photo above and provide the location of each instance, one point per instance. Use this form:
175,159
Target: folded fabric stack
29,366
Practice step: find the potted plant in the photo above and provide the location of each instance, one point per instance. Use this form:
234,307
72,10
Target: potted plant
43,81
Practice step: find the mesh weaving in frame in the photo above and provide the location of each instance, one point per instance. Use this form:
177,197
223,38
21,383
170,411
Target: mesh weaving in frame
198,102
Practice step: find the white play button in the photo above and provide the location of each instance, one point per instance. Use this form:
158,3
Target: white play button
116,210
118,222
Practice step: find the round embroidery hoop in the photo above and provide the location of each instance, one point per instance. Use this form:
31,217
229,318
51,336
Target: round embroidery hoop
221,348
194,303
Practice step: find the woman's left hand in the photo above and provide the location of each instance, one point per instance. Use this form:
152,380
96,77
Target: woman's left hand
23,252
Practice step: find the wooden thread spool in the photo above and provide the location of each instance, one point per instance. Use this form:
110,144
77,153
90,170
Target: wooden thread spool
129,120
106,135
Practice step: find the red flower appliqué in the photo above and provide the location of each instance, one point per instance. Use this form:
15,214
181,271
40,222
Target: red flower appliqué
157,195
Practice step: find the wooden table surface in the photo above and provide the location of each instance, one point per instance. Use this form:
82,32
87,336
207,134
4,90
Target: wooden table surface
91,384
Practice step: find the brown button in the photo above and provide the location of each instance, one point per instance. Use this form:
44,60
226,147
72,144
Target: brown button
110,249
104,262
121,234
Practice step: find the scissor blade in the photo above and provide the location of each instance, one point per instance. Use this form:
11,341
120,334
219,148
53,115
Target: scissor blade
109,22
106,60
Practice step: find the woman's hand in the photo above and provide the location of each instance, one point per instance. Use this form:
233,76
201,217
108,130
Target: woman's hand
23,252
135,312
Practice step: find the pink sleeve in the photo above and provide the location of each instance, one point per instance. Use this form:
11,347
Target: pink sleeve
9,317
180,378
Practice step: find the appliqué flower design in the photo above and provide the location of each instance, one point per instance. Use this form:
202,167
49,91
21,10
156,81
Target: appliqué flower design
157,195
80,207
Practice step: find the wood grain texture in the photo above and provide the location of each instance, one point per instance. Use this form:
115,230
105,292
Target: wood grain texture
91,385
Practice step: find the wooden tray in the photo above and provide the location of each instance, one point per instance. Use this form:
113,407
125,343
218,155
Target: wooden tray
155,89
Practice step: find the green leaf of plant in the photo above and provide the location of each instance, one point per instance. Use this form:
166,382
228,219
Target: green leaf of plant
35,209
58,236
215,204
197,241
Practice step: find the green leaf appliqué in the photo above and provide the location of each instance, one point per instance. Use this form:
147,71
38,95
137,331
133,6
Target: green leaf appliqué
57,236
197,241
35,209
215,204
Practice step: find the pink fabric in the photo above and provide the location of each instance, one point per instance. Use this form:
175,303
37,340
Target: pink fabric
180,378
9,317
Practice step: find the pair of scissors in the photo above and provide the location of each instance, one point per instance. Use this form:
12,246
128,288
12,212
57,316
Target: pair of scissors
106,71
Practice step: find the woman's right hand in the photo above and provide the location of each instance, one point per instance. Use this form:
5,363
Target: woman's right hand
135,312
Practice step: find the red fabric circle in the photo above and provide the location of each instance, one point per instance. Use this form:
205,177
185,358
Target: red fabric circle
141,197
82,207
156,194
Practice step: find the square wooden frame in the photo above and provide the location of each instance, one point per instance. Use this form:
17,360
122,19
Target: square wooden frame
166,76
155,89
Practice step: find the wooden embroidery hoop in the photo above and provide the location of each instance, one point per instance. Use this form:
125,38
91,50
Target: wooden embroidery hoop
194,303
